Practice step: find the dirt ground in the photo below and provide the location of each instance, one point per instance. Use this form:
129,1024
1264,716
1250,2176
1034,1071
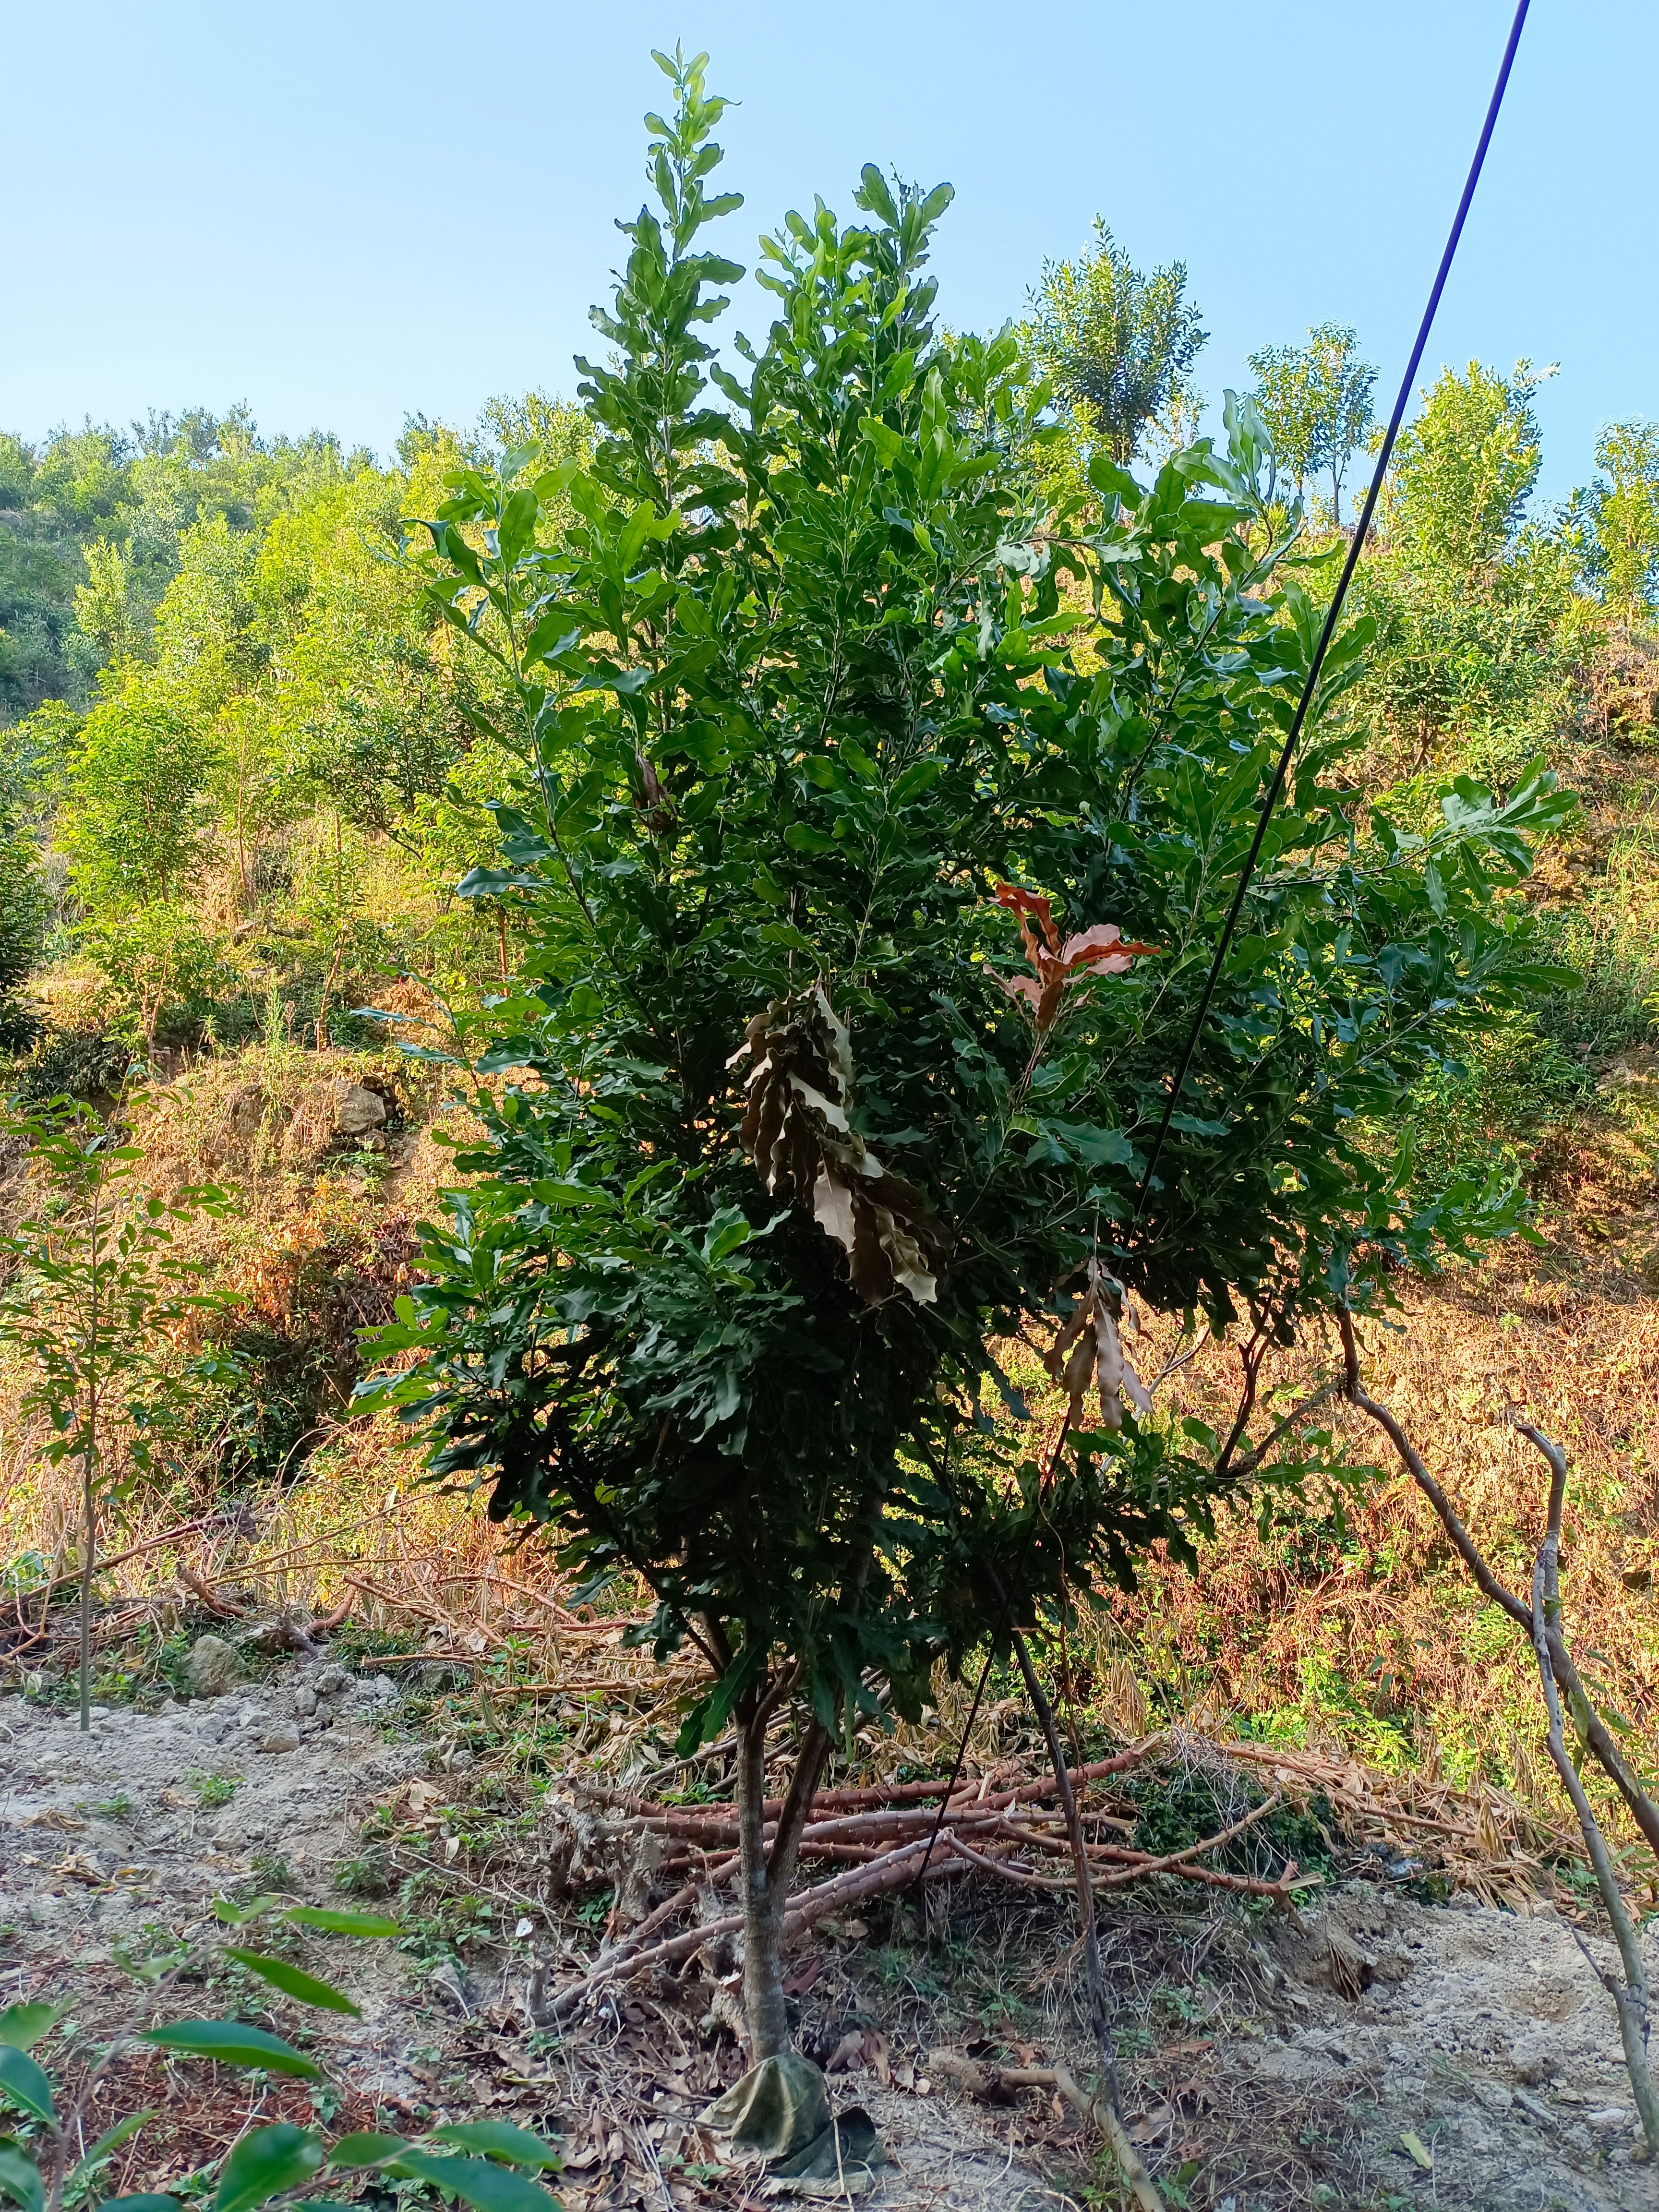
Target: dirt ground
1371,2052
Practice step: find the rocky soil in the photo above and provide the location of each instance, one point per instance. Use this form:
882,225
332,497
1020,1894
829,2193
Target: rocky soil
1372,2052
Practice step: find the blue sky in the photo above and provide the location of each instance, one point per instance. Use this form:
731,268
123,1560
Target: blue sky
343,213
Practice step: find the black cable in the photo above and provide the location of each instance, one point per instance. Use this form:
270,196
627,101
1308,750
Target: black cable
1361,532
1384,455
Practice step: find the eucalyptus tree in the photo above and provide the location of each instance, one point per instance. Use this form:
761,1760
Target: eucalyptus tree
870,825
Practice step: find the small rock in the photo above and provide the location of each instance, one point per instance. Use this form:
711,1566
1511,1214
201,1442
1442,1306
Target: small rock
357,1109
245,1110
326,1110
331,1680
212,1666
1493,2095
279,1739
1536,2056
385,1686
305,1700
1615,2115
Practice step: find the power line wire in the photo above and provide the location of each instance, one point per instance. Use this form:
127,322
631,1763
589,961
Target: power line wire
1271,800
1385,453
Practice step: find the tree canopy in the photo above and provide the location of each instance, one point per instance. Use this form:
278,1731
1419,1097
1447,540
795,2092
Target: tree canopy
1116,346
868,825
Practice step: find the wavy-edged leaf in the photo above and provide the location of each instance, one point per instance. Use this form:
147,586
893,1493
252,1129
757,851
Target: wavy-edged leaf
23,2025
233,2043
20,2179
499,2139
304,1988
486,2188
24,2084
365,2148
265,2163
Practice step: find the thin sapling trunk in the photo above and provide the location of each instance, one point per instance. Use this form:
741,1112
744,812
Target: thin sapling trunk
89,1455
88,1562
1110,2109
766,1875
1643,1809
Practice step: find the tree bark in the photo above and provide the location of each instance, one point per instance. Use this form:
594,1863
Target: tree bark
765,1876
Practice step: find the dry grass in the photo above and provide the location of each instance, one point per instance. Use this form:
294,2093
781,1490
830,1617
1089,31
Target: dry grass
1364,1642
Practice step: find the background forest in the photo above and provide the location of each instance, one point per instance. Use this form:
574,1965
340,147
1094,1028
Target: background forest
239,785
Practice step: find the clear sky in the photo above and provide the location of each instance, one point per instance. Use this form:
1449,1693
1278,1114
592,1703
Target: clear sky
343,213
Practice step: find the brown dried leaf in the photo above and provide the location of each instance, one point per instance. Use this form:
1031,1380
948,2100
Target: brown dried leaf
795,1129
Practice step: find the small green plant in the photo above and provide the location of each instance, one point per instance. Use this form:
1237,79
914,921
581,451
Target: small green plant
211,1790
44,2167
95,1291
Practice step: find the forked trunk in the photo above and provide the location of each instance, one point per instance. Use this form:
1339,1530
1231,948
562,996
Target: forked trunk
768,1871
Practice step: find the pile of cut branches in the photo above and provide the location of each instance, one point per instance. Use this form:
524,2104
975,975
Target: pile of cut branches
886,1836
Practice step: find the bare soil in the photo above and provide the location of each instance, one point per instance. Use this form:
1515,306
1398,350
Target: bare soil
1371,2051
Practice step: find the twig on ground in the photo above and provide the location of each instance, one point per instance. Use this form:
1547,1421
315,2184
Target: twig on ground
987,2081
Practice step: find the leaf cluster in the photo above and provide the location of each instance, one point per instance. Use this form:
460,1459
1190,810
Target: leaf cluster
798,683
483,2163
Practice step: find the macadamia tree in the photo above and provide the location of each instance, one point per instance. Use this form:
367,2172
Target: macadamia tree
872,826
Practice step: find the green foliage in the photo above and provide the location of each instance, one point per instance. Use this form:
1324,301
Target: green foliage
1615,522
1117,347
24,919
79,1064
280,2162
798,688
135,818
1471,605
1180,1805
93,1287
1465,468
1317,403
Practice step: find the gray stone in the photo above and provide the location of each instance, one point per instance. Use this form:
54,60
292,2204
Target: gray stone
327,1110
245,1109
305,1700
331,1680
279,1739
1535,2055
212,1668
357,1109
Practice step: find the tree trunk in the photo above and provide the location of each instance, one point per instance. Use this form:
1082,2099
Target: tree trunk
88,1562
767,1874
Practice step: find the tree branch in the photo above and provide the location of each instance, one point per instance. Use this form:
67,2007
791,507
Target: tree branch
1642,1810
1630,1997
